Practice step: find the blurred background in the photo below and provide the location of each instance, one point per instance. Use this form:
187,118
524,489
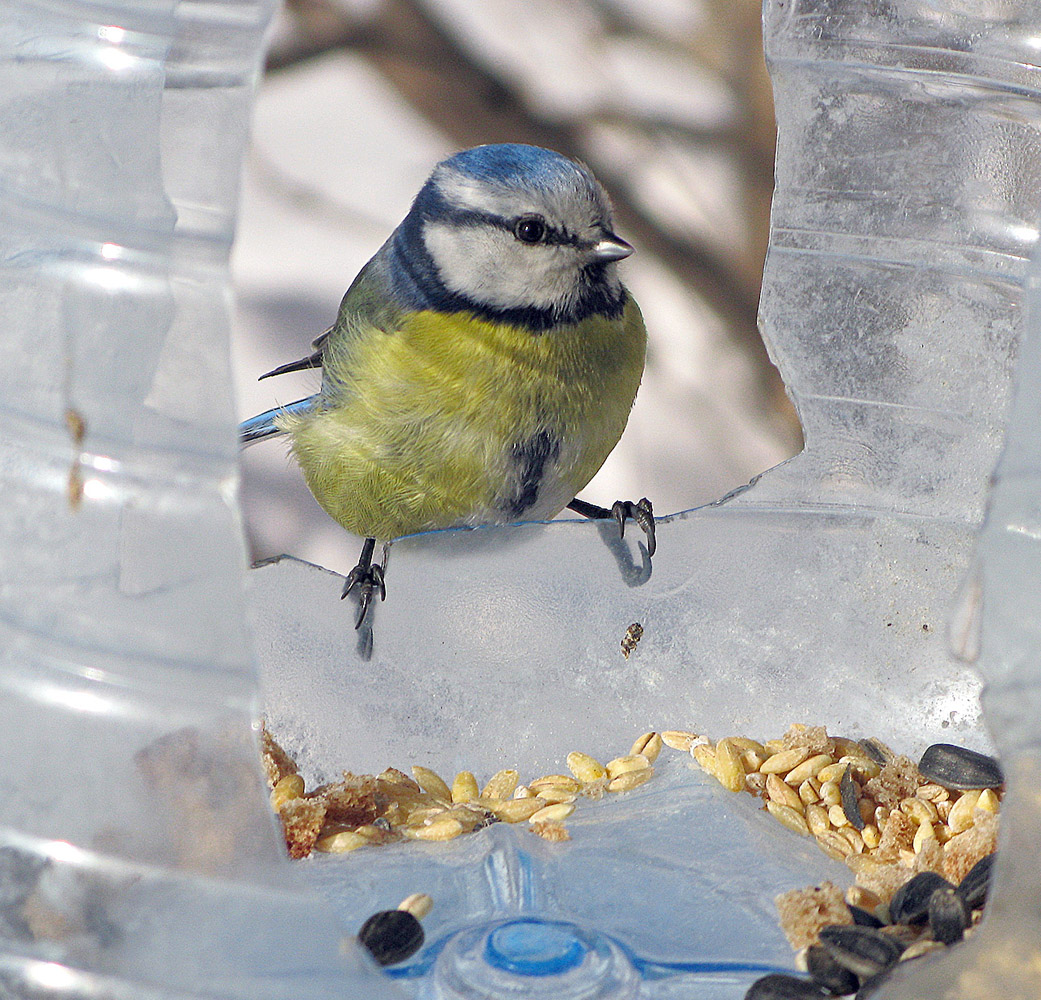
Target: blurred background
667,100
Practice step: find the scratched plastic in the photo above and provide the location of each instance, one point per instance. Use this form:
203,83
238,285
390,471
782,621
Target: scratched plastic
137,853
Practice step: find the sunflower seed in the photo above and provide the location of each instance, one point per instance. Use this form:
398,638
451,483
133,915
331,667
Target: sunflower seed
862,917
848,792
973,888
826,972
778,986
948,916
862,950
958,767
878,751
910,903
391,936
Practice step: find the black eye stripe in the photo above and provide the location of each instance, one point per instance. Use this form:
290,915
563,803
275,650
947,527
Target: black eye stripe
473,217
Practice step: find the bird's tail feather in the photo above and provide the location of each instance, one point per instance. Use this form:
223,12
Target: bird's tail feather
263,425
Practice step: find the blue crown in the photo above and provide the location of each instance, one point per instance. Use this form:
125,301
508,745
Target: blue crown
513,162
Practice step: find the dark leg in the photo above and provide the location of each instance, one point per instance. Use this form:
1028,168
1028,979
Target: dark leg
367,577
640,512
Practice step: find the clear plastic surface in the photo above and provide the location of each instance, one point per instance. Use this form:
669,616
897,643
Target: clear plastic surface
907,203
138,857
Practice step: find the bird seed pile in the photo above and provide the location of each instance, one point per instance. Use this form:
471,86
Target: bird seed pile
880,813
368,810
919,838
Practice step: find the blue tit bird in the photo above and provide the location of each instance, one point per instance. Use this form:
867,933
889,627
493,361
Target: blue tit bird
482,365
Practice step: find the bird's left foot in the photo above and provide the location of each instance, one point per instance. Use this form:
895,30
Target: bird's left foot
367,576
641,512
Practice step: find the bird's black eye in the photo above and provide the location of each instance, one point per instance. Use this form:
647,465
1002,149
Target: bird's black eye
530,229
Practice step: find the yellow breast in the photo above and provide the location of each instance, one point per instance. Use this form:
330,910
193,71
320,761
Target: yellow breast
451,420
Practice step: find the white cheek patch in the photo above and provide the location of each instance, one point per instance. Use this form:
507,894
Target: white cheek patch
489,266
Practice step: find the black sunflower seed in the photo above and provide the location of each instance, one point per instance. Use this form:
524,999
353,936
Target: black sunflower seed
850,806
862,917
957,767
869,986
862,950
778,986
827,973
974,887
948,916
878,751
910,903
391,936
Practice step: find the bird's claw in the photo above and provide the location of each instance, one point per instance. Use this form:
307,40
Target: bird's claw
641,512
367,579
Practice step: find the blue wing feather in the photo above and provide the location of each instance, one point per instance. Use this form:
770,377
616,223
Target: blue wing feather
264,425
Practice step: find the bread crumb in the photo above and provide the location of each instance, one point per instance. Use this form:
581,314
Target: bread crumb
963,850
814,737
897,835
302,821
551,830
897,780
355,801
803,912
277,763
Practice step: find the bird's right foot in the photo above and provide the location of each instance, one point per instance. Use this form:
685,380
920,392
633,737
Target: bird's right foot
368,578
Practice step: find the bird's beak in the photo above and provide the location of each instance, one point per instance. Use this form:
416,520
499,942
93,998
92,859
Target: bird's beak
609,249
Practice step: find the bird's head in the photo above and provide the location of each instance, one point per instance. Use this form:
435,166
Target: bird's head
518,233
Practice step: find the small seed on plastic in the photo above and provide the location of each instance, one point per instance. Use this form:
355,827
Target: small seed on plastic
516,810
584,767
391,936
464,787
431,782
784,760
649,744
729,770
678,739
553,814
629,762
419,904
781,792
960,817
445,828
629,780
789,817
807,769
340,842
501,784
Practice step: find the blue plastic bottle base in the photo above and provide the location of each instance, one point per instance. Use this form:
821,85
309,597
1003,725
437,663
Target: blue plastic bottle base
532,958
